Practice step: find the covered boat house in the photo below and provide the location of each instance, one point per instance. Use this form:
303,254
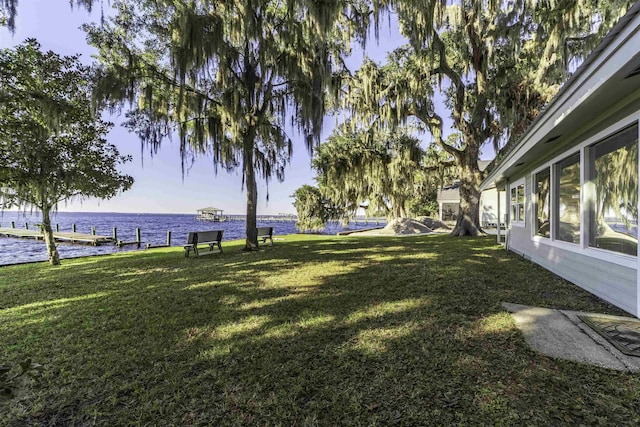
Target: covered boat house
210,214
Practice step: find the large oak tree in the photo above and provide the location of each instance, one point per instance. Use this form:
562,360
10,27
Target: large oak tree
489,67
228,77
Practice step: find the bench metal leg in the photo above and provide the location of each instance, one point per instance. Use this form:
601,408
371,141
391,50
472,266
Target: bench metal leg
212,246
264,240
196,251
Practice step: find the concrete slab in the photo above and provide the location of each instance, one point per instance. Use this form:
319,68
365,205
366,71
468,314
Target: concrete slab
561,334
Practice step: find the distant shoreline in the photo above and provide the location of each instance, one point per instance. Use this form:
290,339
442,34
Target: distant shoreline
36,212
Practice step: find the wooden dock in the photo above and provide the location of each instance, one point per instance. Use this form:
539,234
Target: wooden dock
81,238
57,235
20,232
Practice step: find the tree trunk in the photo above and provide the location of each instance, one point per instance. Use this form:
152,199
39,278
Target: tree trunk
468,222
251,242
52,250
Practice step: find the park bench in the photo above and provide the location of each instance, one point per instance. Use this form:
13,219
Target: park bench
265,233
196,239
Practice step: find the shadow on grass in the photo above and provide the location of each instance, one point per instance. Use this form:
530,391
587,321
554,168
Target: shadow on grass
311,331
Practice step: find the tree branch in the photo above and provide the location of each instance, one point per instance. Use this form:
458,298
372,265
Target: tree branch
438,166
154,71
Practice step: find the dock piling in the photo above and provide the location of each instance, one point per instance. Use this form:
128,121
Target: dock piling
150,246
115,234
57,228
93,230
13,224
135,242
73,228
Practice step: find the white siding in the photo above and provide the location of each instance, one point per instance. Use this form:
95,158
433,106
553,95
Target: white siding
489,207
612,282
599,99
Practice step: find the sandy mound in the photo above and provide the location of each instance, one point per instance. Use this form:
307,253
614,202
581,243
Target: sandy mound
399,226
432,223
406,226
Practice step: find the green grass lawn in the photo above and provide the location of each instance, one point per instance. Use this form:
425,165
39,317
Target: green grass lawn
314,330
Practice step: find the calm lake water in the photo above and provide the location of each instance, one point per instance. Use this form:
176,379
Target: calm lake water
153,228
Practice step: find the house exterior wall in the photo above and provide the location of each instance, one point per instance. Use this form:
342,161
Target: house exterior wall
572,177
613,283
449,202
609,275
489,208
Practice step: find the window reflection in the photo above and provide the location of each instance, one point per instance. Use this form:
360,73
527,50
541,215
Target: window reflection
568,200
514,205
517,203
615,174
521,202
543,201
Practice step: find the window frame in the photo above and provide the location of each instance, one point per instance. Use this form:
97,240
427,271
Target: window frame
536,201
591,156
624,260
517,221
567,161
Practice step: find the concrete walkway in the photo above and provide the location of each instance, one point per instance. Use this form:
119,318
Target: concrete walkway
561,334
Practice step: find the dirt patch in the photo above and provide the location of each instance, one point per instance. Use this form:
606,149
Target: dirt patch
432,223
399,227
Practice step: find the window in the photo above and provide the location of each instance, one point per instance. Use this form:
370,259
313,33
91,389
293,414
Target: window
613,178
543,202
517,204
589,197
567,206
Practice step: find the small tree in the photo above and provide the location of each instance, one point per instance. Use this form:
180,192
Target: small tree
52,146
378,168
313,209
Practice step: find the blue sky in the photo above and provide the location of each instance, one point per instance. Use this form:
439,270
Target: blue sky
159,184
